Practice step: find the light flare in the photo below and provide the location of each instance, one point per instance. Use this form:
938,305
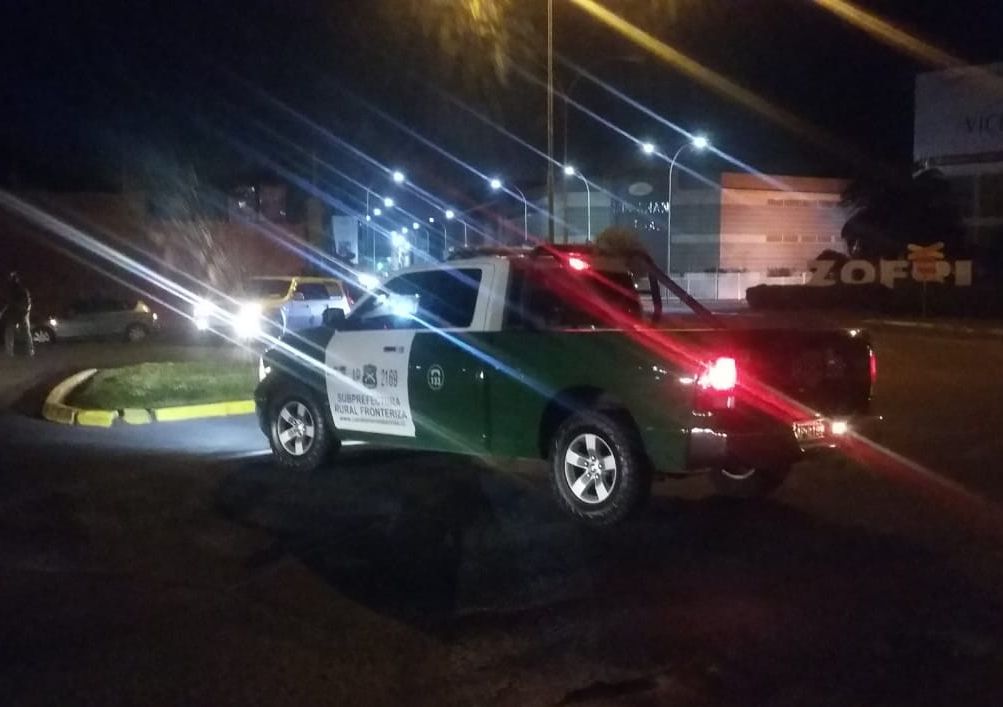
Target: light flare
715,81
886,32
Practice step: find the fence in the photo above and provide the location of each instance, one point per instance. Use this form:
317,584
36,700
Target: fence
730,285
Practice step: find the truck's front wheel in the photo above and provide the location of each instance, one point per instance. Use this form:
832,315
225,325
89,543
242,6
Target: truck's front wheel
298,429
598,473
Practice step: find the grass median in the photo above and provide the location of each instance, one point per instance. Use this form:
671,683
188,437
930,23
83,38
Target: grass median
159,385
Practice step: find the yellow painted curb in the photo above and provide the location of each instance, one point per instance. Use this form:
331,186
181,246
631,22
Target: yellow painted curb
96,418
55,410
136,416
194,412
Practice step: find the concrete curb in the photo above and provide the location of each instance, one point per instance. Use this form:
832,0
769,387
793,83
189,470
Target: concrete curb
56,410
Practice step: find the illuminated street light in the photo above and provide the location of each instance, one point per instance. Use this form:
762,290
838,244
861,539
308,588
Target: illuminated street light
570,171
398,177
415,225
403,229
377,211
450,215
698,143
648,148
431,219
495,185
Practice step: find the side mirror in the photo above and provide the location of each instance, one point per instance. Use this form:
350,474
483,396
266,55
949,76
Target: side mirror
334,317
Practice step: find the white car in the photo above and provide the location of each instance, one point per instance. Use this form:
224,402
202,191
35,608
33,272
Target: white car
273,305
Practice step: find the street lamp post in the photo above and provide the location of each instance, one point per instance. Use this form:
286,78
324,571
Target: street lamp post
495,185
397,177
550,125
570,171
445,235
450,215
697,142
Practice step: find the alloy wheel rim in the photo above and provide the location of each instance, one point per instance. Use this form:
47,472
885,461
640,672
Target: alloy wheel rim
590,468
295,428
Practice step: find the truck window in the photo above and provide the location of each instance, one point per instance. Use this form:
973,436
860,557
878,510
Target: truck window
554,298
333,289
312,290
267,288
434,298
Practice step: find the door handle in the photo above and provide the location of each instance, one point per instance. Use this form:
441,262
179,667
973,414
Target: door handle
393,349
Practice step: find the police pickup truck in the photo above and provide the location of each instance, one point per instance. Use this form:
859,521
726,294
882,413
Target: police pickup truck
570,355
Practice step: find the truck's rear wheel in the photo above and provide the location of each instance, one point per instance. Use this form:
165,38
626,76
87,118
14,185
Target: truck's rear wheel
748,482
598,473
298,430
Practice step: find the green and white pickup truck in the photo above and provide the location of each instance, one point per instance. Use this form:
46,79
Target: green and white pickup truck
568,356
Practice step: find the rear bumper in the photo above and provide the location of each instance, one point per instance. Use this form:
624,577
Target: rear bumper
770,447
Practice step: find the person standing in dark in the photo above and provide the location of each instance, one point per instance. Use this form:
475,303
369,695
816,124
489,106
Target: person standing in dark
17,316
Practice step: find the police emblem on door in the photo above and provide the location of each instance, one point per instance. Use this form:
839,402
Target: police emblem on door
369,376
436,377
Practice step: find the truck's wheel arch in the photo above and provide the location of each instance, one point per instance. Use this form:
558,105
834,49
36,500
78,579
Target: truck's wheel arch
567,402
284,378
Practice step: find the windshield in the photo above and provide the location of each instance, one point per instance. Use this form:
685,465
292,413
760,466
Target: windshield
266,288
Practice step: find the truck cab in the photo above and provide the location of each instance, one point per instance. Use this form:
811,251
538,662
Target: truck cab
555,354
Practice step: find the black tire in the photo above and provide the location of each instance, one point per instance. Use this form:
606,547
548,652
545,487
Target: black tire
626,489
43,335
747,482
136,333
301,403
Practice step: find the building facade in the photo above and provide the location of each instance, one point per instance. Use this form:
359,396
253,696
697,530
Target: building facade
739,222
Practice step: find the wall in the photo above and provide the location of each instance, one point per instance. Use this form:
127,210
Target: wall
770,223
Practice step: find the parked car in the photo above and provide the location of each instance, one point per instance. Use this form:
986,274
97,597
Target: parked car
552,354
273,305
131,320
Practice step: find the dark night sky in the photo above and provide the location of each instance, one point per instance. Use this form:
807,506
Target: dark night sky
86,85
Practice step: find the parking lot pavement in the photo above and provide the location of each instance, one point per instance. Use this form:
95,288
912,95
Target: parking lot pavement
187,572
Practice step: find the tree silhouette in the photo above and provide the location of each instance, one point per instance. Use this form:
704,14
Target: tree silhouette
888,214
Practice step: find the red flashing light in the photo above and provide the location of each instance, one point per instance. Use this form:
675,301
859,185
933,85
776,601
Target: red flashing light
577,263
720,375
873,366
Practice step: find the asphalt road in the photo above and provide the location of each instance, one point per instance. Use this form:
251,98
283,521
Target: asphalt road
174,565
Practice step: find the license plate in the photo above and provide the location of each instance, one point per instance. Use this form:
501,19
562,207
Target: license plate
809,431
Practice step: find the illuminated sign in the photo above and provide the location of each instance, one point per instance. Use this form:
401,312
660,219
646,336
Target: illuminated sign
923,264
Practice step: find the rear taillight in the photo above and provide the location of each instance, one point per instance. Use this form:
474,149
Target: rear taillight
872,366
720,375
